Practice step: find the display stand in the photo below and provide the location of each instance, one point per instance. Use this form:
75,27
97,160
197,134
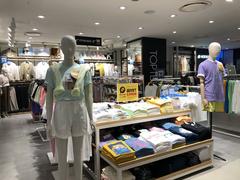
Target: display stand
151,158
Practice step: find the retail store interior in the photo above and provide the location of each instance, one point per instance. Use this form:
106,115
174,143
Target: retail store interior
119,89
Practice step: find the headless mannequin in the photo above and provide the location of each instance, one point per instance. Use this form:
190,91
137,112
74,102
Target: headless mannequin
68,46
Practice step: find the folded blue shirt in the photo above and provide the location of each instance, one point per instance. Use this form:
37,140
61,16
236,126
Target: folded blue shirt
190,136
140,147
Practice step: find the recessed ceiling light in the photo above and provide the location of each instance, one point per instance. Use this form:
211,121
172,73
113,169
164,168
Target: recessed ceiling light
81,33
173,16
29,37
228,39
122,7
97,23
174,32
118,36
226,48
35,29
211,21
229,0
192,46
238,28
173,42
140,28
41,17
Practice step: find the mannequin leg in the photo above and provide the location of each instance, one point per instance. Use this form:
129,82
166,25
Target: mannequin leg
62,158
77,151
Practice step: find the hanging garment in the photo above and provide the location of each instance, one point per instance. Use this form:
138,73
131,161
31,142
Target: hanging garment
226,103
151,90
26,71
41,70
13,99
236,99
11,70
231,85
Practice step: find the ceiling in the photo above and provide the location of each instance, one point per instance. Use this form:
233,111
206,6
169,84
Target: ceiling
74,16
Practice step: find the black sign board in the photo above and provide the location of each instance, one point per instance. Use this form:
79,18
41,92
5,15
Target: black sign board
88,41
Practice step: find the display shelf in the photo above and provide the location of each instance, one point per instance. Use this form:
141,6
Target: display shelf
158,156
108,123
186,171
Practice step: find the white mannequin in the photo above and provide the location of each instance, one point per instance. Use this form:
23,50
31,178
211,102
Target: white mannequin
68,46
214,51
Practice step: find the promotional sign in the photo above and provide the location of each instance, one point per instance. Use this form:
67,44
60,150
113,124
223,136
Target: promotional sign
127,92
88,41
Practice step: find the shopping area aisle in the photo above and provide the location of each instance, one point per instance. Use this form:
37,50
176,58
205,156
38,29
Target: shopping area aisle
23,154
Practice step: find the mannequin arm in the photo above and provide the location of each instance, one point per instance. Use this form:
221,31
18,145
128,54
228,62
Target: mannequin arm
202,91
89,100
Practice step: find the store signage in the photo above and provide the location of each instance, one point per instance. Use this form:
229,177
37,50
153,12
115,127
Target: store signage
127,92
88,41
202,56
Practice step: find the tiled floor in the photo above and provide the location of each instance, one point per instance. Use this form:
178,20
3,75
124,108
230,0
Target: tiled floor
23,154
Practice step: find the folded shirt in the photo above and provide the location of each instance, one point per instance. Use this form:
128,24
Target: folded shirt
118,151
124,137
108,114
140,147
159,142
190,136
203,132
182,119
176,140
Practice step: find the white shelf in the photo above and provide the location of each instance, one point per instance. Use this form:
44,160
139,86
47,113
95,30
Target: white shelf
108,123
158,156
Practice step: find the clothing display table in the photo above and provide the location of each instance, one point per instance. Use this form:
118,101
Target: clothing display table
104,124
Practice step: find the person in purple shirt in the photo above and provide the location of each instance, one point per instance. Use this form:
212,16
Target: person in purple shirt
211,73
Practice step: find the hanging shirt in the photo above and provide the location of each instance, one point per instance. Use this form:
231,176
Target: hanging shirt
151,90
3,81
11,70
26,71
41,70
212,72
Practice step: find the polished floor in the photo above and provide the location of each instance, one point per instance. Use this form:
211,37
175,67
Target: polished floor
23,154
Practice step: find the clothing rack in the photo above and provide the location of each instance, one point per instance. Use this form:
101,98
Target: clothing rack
99,61
229,133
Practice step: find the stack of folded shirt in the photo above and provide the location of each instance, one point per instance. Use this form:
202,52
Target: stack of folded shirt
118,151
182,119
108,114
175,139
140,147
159,142
150,108
132,109
106,139
124,137
203,132
190,136
164,104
